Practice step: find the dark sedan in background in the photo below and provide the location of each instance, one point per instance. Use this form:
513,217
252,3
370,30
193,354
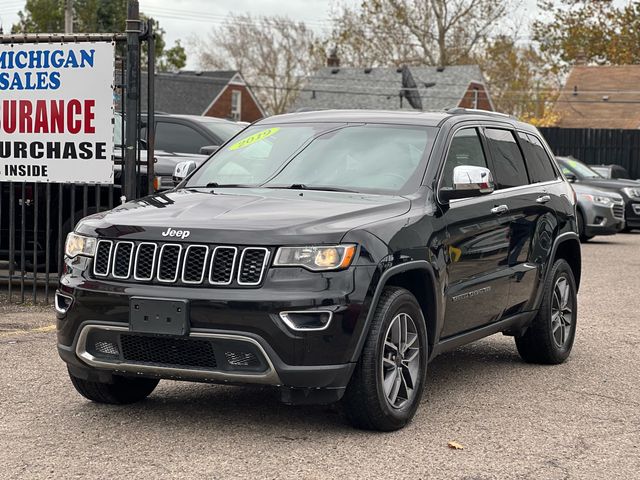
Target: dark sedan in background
578,172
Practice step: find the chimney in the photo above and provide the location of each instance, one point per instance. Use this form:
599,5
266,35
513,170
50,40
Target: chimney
332,59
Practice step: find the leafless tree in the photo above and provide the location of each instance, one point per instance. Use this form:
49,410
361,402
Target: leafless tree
433,32
274,54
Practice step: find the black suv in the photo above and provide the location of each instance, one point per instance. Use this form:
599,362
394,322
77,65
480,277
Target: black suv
331,254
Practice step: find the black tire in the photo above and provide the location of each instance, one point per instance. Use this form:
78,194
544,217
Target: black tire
584,238
366,404
540,344
122,391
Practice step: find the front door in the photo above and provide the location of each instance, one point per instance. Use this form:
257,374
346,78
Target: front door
477,283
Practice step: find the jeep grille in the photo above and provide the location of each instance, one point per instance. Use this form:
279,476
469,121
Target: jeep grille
180,264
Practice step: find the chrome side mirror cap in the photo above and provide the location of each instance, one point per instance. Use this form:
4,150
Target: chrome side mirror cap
469,181
183,169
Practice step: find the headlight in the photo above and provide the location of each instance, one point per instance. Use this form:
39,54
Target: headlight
597,199
316,258
79,245
633,192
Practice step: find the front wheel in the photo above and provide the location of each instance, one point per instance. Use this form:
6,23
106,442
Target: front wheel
550,336
122,391
386,386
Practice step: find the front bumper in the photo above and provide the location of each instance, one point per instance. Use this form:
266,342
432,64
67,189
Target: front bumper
632,213
313,359
603,220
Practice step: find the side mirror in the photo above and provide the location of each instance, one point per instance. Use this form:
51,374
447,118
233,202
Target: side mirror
570,177
209,149
183,169
469,181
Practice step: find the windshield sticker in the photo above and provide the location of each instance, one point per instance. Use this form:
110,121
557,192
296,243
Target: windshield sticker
573,163
256,137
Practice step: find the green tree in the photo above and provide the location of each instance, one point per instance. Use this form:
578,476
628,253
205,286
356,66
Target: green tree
94,16
518,79
588,32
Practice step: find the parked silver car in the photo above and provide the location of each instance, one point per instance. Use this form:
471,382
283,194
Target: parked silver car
600,212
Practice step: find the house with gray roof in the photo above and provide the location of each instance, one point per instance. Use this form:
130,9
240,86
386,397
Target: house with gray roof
403,88
220,93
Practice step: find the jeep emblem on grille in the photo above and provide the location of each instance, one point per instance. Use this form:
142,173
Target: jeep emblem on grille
170,232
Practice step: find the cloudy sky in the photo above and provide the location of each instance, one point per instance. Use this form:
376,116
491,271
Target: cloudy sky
183,18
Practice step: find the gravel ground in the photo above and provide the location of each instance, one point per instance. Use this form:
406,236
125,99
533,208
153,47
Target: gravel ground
577,420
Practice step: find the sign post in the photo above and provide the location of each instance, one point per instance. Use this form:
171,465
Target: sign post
56,112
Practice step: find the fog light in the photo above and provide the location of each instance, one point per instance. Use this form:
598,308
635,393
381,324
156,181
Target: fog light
107,348
307,320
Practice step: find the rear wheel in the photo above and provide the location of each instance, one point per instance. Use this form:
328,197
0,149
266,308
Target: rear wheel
386,387
549,338
122,391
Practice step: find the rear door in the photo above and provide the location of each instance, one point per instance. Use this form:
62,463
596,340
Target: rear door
477,245
529,198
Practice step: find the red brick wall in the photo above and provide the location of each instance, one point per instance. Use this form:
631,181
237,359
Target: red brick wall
249,111
483,100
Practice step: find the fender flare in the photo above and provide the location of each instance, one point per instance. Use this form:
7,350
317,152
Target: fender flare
382,282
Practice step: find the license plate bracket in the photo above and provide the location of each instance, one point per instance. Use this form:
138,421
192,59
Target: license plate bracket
159,315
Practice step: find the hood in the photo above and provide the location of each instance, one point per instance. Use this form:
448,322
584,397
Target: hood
586,188
609,183
244,216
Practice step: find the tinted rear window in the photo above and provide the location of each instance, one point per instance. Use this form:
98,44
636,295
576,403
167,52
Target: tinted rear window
509,168
539,165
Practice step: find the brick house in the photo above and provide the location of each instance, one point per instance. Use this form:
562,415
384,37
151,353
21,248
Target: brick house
603,96
222,93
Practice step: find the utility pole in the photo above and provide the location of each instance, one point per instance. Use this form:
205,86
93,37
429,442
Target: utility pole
133,93
68,16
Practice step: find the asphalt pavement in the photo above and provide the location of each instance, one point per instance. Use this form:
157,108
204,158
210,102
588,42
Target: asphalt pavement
514,420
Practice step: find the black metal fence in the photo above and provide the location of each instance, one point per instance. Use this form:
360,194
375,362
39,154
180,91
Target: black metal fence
36,217
597,146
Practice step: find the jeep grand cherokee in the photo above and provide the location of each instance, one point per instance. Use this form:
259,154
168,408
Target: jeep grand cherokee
331,254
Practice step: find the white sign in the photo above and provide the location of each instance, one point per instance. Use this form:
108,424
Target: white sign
56,112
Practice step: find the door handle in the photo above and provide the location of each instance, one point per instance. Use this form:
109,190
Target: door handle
499,209
543,199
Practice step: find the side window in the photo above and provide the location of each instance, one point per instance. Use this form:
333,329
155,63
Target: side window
539,164
509,168
465,149
177,138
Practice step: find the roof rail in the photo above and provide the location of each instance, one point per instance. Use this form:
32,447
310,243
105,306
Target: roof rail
462,110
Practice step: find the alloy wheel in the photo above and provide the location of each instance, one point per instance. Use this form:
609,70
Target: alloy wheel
400,361
562,312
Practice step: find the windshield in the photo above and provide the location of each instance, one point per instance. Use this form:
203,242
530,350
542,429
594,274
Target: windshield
362,158
223,130
579,169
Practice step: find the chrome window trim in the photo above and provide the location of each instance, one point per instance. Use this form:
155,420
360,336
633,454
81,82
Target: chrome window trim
115,256
269,377
233,264
285,318
177,272
262,269
204,264
108,258
153,263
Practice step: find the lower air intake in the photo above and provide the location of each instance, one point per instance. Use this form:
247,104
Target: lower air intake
168,352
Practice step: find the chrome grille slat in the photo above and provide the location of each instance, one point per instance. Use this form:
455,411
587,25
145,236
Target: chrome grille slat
122,260
187,264
223,265
145,262
102,258
253,261
618,210
169,262
194,264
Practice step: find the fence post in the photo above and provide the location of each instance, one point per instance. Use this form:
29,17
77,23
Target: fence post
133,93
151,122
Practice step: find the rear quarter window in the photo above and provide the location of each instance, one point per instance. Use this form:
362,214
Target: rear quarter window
539,164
